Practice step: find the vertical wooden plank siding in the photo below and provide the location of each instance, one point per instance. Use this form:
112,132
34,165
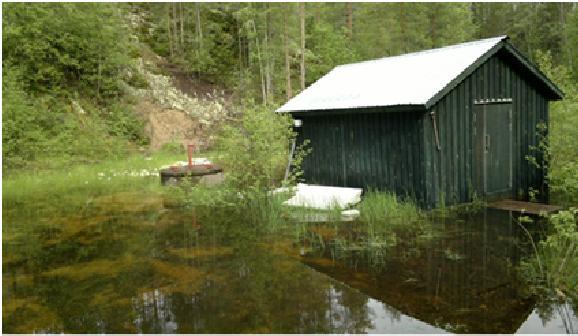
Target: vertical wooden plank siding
379,150
495,79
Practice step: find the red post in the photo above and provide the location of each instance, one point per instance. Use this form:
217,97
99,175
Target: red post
190,149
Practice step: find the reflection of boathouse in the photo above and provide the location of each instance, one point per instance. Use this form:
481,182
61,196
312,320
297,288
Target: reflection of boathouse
463,282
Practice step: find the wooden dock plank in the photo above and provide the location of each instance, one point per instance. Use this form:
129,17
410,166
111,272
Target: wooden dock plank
525,207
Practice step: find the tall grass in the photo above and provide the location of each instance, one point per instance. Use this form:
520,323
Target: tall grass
385,221
79,184
387,207
554,267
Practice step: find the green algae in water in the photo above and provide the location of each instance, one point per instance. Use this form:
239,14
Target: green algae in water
123,266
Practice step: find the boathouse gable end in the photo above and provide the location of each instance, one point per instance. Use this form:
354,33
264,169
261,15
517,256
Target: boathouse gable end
470,138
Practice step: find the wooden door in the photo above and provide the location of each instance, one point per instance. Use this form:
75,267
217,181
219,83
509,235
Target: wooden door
493,150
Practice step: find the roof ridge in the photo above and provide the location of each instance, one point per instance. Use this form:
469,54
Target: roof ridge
427,51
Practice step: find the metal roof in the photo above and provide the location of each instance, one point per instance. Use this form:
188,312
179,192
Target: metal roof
410,79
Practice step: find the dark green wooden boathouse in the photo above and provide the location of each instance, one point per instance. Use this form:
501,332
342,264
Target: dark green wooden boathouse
441,125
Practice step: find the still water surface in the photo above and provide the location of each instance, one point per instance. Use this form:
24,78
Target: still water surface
127,263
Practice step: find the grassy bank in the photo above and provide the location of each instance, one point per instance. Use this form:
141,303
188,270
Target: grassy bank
78,184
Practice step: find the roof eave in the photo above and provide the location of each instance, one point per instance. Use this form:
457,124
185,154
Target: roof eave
364,109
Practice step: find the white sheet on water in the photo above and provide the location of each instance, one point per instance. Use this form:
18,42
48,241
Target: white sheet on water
323,197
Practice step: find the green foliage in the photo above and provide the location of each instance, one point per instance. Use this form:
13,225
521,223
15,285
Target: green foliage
254,150
173,147
384,206
62,70
122,122
22,135
50,131
532,26
560,149
329,48
571,38
554,268
46,130
385,221
59,46
76,186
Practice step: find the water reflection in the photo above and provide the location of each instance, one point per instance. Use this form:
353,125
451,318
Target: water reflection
463,281
125,266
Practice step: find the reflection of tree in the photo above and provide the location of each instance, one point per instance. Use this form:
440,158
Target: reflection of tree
565,313
135,270
356,315
392,313
549,309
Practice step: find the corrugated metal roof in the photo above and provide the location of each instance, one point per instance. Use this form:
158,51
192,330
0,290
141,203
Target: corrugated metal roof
409,79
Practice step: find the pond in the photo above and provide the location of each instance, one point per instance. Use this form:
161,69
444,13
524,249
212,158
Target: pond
128,263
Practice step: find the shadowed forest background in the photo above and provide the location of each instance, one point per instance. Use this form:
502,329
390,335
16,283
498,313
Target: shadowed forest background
72,72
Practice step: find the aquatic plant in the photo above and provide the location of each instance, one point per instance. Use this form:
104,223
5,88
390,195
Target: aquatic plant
385,221
554,267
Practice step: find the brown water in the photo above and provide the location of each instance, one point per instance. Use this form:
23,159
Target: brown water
126,263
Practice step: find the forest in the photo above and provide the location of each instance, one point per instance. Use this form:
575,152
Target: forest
68,68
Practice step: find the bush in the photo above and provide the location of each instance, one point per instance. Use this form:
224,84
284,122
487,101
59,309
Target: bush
254,150
59,46
561,150
62,66
22,135
52,132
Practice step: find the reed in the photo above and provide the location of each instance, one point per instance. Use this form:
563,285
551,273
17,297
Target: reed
387,207
553,269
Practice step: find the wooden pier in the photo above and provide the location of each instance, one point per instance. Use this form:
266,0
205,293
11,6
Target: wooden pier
524,207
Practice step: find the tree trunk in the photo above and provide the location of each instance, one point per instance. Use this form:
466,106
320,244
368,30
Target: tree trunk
259,60
267,54
199,38
433,25
302,21
175,31
241,59
349,15
402,18
182,24
169,33
288,90
199,26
